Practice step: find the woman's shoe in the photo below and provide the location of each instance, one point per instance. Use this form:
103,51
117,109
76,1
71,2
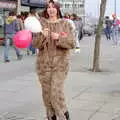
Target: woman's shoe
67,115
53,118
20,57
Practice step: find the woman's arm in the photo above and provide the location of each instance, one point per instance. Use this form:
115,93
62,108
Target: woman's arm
67,39
38,40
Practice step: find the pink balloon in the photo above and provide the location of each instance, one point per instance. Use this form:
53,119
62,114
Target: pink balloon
22,39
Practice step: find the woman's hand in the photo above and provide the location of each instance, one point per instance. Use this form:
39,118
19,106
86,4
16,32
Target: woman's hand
45,32
55,36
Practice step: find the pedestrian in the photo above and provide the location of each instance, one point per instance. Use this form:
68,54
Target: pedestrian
80,34
67,18
54,44
115,29
74,18
11,27
108,25
78,25
20,22
31,48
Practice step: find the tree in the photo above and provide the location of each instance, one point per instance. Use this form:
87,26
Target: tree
96,59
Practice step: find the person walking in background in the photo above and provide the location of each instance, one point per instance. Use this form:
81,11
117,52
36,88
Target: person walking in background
80,33
54,44
20,22
74,18
67,18
78,26
24,15
31,48
115,30
11,27
108,25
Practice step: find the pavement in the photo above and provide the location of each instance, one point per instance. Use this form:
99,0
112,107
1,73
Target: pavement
89,96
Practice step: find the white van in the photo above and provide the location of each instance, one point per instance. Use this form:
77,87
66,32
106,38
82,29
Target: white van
88,29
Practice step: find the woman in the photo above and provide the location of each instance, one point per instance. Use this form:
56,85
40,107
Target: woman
54,44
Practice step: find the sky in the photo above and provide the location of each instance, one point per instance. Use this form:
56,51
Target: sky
93,5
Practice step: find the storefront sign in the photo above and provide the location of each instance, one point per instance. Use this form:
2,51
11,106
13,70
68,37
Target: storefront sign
37,1
8,5
33,3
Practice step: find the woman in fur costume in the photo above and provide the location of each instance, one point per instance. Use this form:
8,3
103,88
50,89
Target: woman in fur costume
54,44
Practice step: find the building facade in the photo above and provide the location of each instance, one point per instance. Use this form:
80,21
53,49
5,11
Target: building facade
73,6
32,4
5,7
18,6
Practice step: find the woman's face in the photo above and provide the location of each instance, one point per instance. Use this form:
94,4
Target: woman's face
51,10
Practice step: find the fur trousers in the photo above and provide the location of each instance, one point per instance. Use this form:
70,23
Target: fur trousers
52,84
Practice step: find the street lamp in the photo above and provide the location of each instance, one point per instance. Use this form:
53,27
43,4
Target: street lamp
99,2
115,7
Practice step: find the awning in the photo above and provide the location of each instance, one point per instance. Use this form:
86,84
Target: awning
33,3
7,5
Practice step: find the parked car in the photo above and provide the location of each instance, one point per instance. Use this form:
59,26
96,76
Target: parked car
89,30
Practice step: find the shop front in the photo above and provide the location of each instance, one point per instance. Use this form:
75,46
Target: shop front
5,7
34,4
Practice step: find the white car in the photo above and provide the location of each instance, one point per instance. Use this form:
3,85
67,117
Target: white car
87,29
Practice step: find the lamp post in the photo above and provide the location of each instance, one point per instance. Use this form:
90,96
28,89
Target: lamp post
115,7
84,12
99,1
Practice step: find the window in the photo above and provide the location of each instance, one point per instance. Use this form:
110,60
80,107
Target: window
82,5
67,5
74,5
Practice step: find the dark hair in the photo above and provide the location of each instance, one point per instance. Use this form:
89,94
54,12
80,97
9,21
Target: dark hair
33,11
18,16
67,15
26,14
56,5
11,13
75,17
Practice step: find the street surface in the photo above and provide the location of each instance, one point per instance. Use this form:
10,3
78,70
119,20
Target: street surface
90,96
